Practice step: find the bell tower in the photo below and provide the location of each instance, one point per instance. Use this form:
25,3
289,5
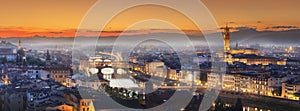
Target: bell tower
226,38
19,45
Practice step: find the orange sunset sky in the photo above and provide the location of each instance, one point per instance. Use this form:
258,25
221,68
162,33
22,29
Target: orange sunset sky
60,18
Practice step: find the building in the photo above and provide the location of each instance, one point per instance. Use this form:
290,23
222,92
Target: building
36,98
70,82
276,81
242,82
38,74
84,65
86,105
227,49
260,86
226,38
5,77
229,81
251,59
190,76
21,58
12,100
62,107
8,51
137,67
292,62
289,89
98,61
41,99
244,51
80,101
214,79
151,67
161,71
172,74
93,83
134,58
201,58
60,74
248,56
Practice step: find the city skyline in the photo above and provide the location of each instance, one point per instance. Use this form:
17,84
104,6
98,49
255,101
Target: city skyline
162,55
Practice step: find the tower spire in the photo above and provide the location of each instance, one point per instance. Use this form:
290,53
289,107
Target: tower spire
19,45
226,38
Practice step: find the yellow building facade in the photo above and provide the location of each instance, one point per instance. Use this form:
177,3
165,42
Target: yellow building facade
289,90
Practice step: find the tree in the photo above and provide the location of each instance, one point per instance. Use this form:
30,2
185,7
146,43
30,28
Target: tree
297,94
141,99
134,95
277,91
48,57
238,105
220,106
35,61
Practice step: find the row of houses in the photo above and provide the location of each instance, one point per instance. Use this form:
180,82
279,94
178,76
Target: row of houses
61,75
260,84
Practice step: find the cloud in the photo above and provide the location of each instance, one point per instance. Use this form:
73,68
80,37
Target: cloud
259,22
264,37
96,31
284,26
281,28
56,32
244,28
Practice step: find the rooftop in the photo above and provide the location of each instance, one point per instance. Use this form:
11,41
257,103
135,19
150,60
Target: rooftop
251,56
7,45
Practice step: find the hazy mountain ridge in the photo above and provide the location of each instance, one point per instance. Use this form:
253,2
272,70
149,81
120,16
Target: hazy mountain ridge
242,36
270,37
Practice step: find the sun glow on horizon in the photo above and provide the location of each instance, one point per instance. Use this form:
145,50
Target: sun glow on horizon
51,18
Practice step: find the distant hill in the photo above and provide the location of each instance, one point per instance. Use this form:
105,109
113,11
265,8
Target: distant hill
266,37
242,36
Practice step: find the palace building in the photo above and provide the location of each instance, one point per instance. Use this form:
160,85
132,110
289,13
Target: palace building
248,56
8,50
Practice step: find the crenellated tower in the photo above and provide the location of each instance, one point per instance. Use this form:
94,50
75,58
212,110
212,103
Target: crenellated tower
19,45
226,37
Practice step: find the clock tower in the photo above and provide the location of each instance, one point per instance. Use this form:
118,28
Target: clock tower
226,39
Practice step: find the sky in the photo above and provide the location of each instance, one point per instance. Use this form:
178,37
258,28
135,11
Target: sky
60,18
